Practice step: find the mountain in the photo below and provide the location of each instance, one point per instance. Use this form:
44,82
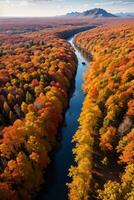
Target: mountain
93,13
124,15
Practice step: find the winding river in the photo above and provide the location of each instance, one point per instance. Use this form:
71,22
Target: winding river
56,175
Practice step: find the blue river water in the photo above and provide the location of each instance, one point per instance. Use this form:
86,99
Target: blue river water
56,175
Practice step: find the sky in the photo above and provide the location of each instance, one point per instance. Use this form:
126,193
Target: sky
42,8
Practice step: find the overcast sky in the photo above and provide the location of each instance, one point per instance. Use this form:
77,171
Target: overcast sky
42,8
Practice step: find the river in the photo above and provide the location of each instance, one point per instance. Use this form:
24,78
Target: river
56,175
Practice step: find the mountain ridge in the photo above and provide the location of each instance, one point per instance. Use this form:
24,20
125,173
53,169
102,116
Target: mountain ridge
93,13
125,14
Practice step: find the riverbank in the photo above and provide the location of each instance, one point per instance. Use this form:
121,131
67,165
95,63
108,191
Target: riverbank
57,173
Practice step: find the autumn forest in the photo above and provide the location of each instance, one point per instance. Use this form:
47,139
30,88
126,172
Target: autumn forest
39,77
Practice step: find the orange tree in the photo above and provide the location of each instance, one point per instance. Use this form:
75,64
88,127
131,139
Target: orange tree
107,114
35,74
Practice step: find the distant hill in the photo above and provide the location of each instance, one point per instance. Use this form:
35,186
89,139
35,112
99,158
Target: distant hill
93,13
128,15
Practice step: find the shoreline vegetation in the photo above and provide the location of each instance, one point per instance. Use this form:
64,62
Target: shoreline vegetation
37,66
36,71
104,141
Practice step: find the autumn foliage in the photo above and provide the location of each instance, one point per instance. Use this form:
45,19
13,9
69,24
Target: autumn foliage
35,74
107,114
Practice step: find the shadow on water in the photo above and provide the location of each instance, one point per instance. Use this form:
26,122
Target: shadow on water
56,174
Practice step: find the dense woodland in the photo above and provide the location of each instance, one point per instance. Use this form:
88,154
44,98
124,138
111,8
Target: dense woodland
37,67
104,150
21,25
35,74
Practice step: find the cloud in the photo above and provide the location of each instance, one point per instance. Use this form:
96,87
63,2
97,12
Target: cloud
115,2
24,1
127,1
60,7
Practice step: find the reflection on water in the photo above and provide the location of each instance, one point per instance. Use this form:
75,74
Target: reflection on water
84,53
56,175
